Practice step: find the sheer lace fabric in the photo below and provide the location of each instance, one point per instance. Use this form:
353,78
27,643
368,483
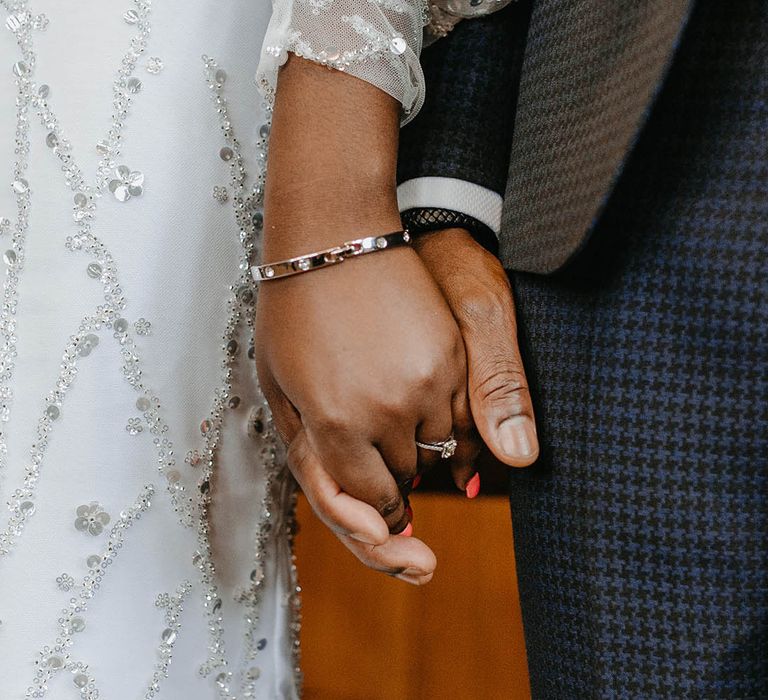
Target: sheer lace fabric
446,14
378,41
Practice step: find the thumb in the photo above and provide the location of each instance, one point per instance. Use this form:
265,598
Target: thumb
477,289
498,390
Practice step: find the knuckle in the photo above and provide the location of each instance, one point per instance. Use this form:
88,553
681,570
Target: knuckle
389,505
423,375
485,304
390,406
503,382
329,419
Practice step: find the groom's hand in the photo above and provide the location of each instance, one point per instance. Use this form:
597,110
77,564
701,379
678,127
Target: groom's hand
477,290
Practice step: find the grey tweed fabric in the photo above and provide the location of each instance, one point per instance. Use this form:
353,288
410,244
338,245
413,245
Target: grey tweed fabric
590,71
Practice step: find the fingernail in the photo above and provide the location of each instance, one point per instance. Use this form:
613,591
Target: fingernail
473,486
409,511
413,580
518,437
408,530
416,481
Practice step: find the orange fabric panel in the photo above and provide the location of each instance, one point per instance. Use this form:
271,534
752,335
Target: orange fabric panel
370,637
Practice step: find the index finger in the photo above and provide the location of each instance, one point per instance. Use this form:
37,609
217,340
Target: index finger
342,513
359,469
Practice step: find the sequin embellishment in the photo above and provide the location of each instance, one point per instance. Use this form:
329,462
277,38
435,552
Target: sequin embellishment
91,518
190,504
142,327
65,582
127,183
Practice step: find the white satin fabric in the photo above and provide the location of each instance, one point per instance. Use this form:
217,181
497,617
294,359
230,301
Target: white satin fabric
176,249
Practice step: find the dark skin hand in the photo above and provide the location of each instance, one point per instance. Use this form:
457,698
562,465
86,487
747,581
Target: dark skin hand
360,360
477,289
478,292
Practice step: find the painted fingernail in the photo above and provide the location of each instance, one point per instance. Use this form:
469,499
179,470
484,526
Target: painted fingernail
473,486
408,530
518,437
416,481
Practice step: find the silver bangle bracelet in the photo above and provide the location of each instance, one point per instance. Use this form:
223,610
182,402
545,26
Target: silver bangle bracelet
330,256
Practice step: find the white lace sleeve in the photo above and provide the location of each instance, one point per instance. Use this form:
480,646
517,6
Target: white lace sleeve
376,40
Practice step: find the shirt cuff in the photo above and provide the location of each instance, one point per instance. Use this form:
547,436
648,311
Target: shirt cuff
451,193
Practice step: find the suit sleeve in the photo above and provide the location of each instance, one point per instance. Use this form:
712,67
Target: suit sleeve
455,154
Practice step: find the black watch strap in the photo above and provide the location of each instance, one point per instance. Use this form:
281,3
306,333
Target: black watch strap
423,220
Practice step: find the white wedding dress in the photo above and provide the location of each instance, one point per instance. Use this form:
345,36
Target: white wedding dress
145,550
128,397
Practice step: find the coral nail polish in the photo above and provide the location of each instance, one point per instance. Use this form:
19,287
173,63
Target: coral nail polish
473,486
408,530
416,481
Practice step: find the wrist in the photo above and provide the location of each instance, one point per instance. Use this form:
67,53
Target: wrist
291,231
320,259
332,161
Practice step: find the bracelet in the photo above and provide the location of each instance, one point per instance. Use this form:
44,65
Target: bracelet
330,256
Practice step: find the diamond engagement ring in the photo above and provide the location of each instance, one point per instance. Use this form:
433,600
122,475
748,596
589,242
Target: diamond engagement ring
446,448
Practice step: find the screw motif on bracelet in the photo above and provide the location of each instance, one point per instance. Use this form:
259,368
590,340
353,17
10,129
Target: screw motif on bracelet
330,256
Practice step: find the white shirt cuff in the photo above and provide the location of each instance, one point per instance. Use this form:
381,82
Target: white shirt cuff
451,193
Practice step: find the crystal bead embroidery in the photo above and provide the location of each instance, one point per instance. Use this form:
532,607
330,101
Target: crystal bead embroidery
134,426
142,327
110,314
91,518
65,582
127,183
154,65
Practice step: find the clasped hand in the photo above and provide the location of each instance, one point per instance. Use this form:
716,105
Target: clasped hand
361,360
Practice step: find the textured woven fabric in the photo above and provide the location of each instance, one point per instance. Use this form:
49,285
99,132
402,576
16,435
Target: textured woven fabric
449,193
426,220
642,532
590,71
464,129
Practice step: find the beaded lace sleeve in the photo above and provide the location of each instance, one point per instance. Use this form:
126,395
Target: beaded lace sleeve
376,40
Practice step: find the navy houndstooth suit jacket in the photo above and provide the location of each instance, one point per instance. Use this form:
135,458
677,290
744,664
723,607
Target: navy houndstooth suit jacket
629,142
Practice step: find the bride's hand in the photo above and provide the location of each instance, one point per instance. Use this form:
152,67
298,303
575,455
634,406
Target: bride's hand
359,527
358,360
367,358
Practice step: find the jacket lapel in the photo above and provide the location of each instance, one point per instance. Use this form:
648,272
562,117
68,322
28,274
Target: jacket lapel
591,71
